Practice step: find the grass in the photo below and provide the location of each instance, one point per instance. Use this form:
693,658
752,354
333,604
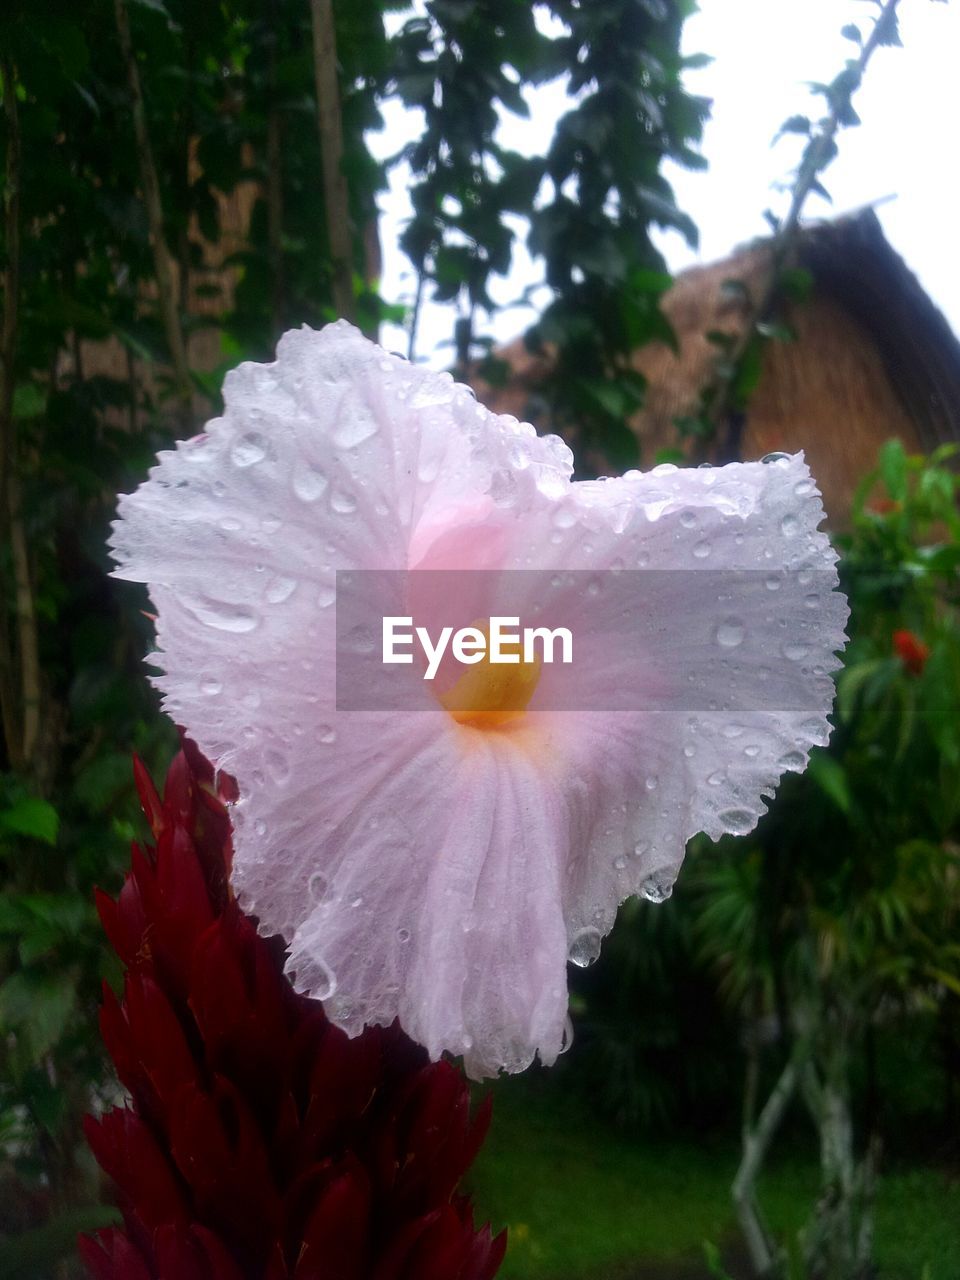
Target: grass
585,1202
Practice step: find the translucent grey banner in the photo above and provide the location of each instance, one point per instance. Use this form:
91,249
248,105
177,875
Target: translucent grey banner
621,640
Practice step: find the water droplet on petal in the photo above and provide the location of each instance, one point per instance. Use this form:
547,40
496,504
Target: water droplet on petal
651,783
260,827
716,779
752,751
355,422
793,651
738,821
688,519
211,686
221,616
789,526
689,751
360,639
317,887
403,935
567,1040
702,549
656,888
326,597
584,948
772,583
309,483
280,589
326,734
771,458
565,517
318,978
811,601
792,760
249,449
270,524
278,765
803,487
343,503
730,633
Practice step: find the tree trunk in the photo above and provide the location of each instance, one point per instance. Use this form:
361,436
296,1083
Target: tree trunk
335,195
162,262
20,681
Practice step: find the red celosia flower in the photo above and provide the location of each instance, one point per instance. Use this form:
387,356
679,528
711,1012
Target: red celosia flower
911,651
260,1143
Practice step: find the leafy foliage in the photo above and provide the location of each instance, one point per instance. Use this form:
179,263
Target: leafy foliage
164,217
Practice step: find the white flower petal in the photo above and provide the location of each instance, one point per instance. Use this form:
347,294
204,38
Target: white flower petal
419,868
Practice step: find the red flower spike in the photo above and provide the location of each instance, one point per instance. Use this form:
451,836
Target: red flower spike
261,1143
911,651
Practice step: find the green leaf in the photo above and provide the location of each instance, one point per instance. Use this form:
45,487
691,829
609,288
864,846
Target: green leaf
37,1007
829,775
31,817
893,469
29,401
852,32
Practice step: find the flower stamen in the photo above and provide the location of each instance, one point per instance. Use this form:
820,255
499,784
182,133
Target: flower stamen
491,694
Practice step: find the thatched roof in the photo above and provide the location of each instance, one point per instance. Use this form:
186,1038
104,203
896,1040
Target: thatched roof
872,358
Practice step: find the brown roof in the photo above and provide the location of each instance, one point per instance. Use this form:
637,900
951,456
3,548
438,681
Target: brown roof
872,358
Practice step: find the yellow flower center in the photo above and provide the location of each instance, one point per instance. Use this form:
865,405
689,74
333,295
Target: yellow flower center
491,694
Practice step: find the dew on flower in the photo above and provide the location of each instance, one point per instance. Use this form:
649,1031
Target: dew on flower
794,651
730,633
497,851
354,422
585,947
280,589
343,502
656,888
738,821
309,482
249,450
221,616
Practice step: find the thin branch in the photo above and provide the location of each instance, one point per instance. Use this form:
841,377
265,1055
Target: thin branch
274,184
11,270
764,1255
27,634
415,318
163,268
335,196
718,398
10,697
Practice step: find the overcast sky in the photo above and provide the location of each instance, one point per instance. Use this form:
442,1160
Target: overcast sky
764,51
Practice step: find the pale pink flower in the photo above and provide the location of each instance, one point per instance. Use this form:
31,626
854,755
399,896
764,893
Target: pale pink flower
436,867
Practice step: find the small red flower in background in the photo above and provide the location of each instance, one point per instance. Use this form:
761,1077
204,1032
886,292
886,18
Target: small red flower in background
911,651
260,1143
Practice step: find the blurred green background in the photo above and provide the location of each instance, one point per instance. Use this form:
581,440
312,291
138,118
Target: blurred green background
793,1012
